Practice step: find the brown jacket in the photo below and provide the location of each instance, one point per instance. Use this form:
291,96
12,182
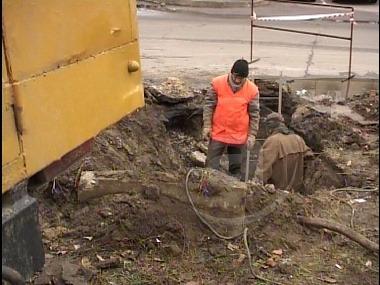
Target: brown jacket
281,160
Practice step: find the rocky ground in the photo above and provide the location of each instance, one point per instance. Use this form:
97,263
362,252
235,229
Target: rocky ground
134,238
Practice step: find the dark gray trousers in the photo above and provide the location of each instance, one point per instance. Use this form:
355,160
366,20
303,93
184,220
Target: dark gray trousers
235,154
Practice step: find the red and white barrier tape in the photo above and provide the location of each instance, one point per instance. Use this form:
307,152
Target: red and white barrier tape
304,17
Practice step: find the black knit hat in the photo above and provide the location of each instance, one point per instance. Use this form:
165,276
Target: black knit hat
240,68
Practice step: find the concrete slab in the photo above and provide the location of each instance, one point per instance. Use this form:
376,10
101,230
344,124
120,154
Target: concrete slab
318,86
334,87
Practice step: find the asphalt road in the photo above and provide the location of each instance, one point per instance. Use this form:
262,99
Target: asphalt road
197,43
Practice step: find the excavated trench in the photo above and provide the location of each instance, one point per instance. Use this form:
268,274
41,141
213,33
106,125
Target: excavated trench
134,232
184,117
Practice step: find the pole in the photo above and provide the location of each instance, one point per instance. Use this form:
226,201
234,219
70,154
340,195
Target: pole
349,62
247,166
280,94
251,31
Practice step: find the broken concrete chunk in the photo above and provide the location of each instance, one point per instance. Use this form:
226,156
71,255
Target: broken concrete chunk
198,158
202,147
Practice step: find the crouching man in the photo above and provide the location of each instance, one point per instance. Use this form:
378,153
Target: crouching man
282,156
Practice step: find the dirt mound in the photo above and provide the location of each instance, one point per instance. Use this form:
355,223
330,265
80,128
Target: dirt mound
128,239
366,104
346,149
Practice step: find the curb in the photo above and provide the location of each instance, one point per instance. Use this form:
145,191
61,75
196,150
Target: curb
189,6
207,3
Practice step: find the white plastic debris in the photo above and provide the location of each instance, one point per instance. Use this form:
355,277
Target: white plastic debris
360,200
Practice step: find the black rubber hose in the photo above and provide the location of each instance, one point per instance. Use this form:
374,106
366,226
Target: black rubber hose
12,276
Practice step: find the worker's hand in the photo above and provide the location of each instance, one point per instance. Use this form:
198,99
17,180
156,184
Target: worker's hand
256,180
251,141
206,133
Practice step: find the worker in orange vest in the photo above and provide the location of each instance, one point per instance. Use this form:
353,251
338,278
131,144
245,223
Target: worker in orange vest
231,114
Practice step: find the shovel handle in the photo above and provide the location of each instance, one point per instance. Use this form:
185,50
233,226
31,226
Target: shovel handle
247,166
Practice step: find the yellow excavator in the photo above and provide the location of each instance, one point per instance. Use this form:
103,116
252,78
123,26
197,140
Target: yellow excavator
69,70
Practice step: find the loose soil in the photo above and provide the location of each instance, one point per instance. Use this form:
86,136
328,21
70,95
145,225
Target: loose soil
129,238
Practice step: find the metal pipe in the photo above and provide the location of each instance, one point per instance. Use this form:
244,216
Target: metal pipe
280,94
349,77
251,59
255,60
350,59
301,32
268,98
313,4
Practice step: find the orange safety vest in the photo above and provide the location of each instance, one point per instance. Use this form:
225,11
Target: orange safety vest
230,121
